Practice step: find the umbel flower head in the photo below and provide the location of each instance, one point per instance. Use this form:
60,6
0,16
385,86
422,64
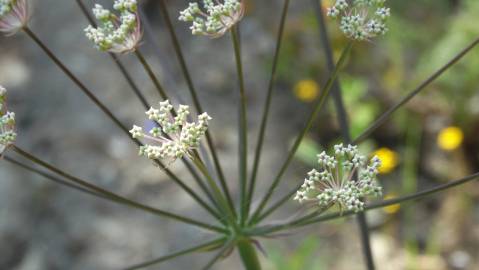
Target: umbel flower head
116,34
343,179
7,123
173,137
361,19
14,15
215,19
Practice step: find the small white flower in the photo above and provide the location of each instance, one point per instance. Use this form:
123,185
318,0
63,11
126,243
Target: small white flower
361,19
216,19
174,137
116,34
136,132
7,123
14,15
344,179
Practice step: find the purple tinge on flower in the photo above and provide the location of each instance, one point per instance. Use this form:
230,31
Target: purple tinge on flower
7,123
14,15
116,33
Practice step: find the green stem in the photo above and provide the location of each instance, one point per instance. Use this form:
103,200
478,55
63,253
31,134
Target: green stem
385,116
219,254
299,139
342,116
198,248
117,62
267,105
151,74
115,197
196,101
52,177
220,199
110,115
265,230
248,254
243,127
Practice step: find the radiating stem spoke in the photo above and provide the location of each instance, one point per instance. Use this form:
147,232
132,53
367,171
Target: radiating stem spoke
218,255
151,74
98,103
112,196
196,101
343,124
299,139
117,62
198,248
265,230
53,178
267,105
243,127
386,115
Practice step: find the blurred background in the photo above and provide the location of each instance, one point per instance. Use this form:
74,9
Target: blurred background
431,140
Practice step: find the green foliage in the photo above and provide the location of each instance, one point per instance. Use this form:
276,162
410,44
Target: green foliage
304,257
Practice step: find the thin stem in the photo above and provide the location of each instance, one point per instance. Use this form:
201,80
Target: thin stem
226,246
277,204
196,101
312,117
114,197
416,196
70,75
243,127
343,123
267,105
98,103
201,184
220,199
52,177
198,248
151,74
120,66
385,116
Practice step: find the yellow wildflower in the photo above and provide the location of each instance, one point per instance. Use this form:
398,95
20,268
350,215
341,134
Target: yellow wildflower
450,138
389,159
306,90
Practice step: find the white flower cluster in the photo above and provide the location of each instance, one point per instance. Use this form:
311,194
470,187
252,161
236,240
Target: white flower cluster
361,19
116,34
343,180
13,15
215,20
174,136
7,123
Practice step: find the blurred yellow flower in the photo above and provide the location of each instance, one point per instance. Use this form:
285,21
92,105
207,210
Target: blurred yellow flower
394,208
389,159
306,90
450,138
